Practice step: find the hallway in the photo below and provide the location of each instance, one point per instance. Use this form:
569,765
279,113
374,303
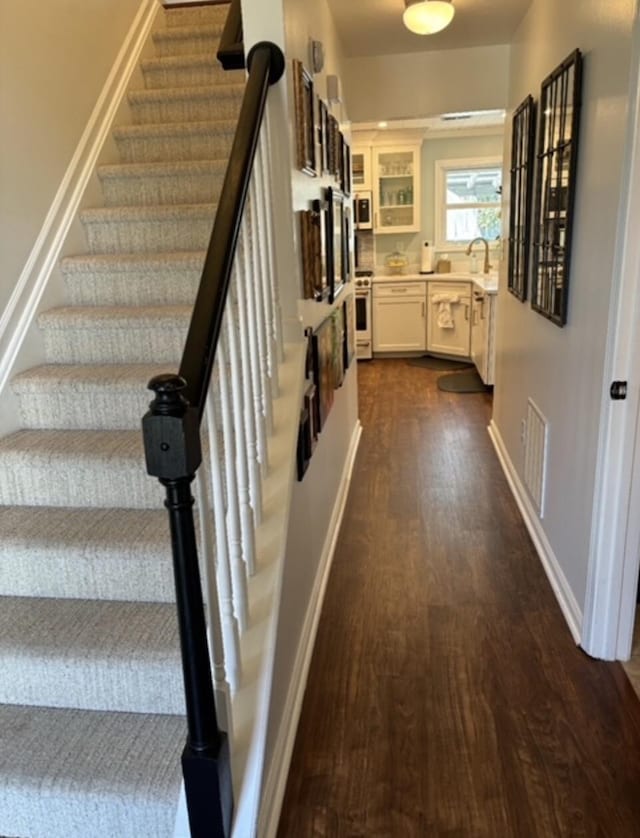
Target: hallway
446,696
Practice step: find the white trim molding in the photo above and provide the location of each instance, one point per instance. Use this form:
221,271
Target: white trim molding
276,779
23,303
555,574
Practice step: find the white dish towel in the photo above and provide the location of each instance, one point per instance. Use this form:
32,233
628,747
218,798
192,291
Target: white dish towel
444,303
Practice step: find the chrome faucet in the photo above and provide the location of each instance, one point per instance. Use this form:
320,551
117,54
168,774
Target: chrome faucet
487,266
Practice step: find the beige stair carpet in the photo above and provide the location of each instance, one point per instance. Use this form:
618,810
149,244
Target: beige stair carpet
91,694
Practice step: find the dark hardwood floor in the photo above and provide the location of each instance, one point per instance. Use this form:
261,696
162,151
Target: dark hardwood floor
446,696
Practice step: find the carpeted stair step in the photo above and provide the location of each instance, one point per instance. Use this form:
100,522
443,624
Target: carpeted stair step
188,71
114,554
103,469
76,396
74,773
148,184
156,143
142,229
197,15
137,279
115,335
90,654
188,40
186,104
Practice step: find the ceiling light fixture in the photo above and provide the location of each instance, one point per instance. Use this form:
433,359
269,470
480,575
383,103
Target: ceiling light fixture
426,17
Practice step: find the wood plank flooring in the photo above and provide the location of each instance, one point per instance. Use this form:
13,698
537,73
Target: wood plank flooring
446,696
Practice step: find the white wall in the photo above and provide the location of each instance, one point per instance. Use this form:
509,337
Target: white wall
314,499
562,369
420,84
54,60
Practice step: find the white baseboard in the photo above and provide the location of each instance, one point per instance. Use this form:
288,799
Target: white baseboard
23,303
276,780
555,574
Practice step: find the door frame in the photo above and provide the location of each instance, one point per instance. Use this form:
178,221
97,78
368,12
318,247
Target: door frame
614,560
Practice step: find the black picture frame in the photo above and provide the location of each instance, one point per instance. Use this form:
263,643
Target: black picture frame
523,132
336,263
313,236
556,169
305,110
323,137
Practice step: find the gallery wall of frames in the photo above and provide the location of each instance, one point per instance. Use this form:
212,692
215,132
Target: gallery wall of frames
543,186
325,227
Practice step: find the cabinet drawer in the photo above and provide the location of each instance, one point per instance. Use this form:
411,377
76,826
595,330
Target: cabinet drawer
461,288
400,289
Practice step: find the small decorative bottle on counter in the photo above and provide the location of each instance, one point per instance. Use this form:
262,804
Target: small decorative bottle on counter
444,264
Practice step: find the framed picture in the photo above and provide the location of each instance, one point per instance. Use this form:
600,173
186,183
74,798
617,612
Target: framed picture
523,130
313,231
349,326
335,242
556,169
333,147
338,348
324,370
305,119
346,168
323,137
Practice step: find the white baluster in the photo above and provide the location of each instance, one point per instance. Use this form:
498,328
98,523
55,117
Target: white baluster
230,338
264,233
234,536
210,595
249,277
254,424
228,620
265,168
258,302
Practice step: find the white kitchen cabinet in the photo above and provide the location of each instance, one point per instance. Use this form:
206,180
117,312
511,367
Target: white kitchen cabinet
482,334
449,318
361,178
396,189
399,317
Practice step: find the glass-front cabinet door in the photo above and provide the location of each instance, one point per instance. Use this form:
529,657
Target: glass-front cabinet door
361,169
396,193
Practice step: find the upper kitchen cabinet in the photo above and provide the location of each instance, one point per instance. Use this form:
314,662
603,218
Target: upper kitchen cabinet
361,169
396,189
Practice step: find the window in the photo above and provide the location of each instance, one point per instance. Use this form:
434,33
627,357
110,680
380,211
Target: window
468,201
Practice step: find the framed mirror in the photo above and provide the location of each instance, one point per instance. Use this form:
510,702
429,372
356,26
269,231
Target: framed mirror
523,131
335,234
560,100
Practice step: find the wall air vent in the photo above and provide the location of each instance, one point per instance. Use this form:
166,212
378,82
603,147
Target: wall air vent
535,455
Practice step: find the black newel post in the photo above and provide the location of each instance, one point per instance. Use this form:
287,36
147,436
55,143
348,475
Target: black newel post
172,450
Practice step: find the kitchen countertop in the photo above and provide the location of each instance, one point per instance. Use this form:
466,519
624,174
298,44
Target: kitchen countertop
486,282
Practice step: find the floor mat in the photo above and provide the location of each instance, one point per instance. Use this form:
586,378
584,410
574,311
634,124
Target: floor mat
429,362
462,382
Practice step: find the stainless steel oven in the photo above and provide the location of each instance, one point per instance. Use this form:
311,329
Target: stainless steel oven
364,341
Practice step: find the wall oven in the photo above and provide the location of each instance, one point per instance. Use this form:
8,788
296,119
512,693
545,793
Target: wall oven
364,343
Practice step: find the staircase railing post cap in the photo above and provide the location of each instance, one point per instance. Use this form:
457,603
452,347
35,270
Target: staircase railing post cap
171,431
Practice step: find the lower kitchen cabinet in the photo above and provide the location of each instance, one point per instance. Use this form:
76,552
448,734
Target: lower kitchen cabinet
399,317
482,335
449,318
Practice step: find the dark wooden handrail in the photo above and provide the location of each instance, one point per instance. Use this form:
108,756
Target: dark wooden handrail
266,65
231,50
171,431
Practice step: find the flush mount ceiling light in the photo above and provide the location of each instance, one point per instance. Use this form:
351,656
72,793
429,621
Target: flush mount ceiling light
426,17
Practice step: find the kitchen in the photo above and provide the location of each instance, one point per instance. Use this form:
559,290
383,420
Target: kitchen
423,190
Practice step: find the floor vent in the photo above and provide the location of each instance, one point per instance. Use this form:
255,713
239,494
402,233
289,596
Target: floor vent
535,455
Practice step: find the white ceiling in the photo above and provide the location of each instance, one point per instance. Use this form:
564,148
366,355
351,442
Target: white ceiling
374,27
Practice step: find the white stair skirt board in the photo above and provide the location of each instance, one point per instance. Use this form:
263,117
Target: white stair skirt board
276,779
563,593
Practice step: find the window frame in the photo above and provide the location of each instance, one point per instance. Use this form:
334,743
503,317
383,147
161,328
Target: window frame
442,167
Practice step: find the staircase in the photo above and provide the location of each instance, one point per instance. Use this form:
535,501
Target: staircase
92,709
